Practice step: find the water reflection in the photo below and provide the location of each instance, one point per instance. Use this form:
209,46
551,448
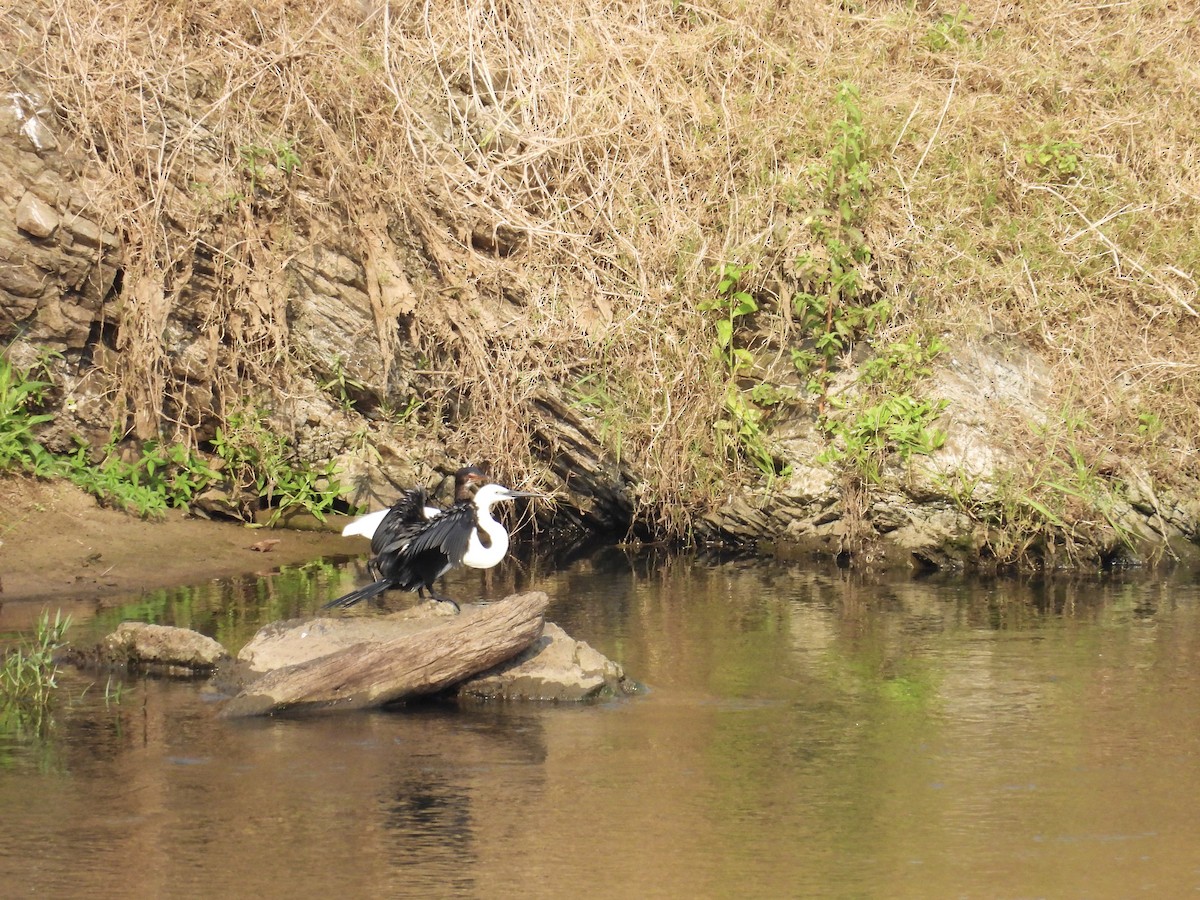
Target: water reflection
807,732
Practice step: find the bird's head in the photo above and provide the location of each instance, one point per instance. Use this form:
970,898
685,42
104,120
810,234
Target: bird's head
467,481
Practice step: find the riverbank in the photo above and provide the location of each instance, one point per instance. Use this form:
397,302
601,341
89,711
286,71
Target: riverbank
58,543
875,281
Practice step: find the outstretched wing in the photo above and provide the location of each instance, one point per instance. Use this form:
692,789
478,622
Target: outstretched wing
405,514
446,535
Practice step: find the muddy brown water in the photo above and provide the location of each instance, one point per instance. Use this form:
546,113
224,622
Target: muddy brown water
804,733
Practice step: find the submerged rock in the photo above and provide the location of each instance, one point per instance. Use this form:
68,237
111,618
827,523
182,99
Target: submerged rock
140,644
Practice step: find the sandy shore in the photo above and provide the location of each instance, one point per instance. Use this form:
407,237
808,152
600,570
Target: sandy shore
59,543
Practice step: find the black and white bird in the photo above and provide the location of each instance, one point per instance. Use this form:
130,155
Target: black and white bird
412,547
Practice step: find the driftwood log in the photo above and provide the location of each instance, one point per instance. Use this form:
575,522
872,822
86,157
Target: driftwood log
411,665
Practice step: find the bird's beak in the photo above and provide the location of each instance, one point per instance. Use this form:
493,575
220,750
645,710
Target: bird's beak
512,495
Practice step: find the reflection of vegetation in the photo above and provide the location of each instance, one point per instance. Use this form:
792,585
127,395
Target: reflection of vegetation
28,677
231,610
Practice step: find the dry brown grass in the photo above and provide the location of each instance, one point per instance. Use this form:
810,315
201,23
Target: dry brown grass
625,148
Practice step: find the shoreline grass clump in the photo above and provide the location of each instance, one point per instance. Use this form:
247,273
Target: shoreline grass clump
28,676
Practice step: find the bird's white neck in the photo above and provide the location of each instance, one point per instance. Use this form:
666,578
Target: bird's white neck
478,556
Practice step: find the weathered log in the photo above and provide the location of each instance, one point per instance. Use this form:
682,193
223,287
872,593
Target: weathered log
411,665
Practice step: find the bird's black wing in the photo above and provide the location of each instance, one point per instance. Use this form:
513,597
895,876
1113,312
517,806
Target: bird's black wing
406,512
448,534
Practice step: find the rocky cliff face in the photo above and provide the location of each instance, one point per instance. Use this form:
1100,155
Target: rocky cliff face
59,259
340,316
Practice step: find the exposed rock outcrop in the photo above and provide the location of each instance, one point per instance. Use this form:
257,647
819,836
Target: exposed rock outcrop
58,258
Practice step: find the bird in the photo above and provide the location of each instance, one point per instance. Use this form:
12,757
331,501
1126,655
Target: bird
413,508
410,552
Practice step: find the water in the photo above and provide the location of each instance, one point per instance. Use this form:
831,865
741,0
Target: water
805,733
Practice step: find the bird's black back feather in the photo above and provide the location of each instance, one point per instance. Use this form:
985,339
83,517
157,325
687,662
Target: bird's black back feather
410,552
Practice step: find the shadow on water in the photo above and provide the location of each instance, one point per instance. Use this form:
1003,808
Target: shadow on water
808,732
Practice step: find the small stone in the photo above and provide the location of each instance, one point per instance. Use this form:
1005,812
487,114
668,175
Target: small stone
138,642
35,217
39,135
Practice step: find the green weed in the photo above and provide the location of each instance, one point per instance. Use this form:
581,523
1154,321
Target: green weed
949,30
1055,160
165,476
1042,510
256,158
28,676
21,394
732,303
831,311
261,466
1149,426
743,429
342,386
899,424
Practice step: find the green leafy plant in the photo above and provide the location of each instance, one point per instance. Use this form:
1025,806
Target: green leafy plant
832,310
21,393
261,466
164,476
898,424
256,158
949,30
904,362
342,385
28,676
1053,159
1149,425
732,303
744,420
885,417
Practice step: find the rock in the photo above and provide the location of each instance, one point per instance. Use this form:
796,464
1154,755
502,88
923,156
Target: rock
138,643
554,667
35,217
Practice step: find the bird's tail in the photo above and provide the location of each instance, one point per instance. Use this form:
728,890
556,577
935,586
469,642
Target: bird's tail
363,593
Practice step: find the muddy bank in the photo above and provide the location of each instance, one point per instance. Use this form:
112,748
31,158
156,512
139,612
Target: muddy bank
59,543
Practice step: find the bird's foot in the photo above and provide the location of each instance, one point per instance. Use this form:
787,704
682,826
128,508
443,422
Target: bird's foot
440,599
